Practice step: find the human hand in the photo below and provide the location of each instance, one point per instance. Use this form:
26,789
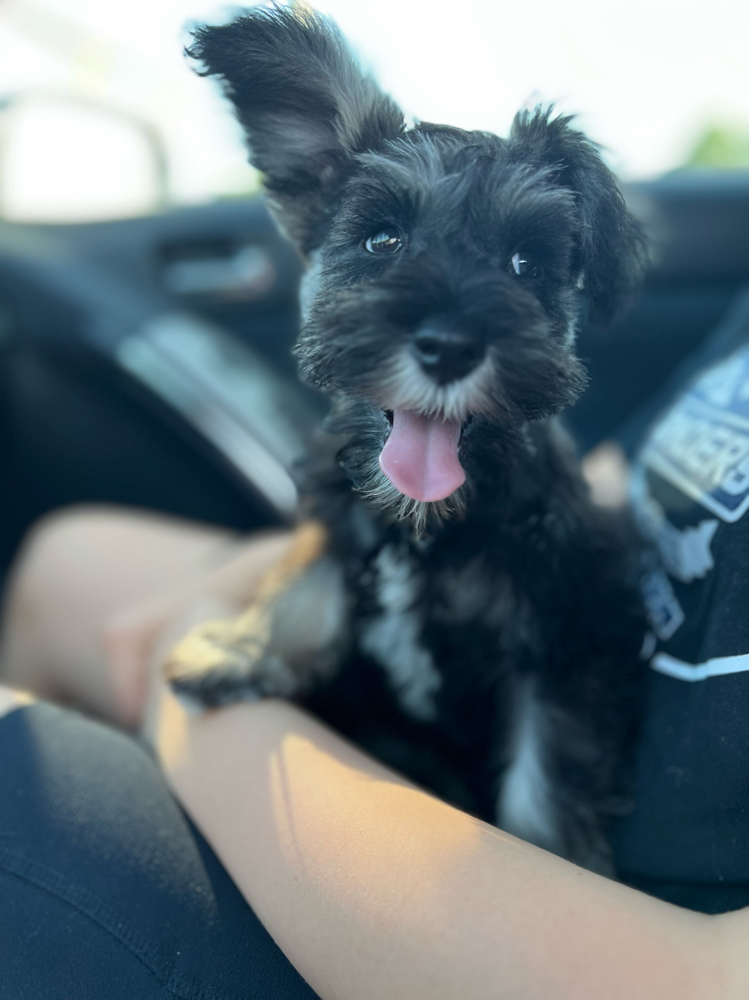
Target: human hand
136,640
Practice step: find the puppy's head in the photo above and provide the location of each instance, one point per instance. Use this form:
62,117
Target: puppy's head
439,304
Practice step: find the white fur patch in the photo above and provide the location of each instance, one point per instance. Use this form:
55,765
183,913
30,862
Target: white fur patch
525,808
392,638
408,387
310,284
571,334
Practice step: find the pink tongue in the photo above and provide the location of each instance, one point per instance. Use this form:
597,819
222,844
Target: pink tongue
420,457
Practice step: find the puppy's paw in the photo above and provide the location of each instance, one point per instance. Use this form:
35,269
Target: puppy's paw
218,664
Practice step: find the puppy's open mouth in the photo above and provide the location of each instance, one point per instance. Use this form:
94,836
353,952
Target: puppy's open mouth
420,457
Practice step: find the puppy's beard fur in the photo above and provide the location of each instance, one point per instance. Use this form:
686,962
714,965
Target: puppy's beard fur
406,386
378,489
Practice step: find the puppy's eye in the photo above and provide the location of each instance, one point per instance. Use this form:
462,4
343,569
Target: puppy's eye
387,241
523,265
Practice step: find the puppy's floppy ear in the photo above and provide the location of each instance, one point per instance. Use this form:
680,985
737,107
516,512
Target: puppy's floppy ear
304,103
612,249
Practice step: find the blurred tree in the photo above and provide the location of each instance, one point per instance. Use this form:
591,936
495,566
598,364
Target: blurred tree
721,145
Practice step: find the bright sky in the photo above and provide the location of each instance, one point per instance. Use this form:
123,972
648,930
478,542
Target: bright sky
646,76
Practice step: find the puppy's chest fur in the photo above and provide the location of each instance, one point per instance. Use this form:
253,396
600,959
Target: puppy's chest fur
435,623
494,661
439,657
469,650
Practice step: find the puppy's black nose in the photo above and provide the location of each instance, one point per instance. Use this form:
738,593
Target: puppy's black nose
445,353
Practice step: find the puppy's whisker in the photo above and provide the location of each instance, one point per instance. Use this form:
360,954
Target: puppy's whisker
407,387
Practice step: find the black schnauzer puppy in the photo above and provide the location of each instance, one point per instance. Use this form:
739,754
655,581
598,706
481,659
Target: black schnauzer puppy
456,603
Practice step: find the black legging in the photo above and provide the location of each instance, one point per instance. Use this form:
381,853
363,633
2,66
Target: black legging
107,891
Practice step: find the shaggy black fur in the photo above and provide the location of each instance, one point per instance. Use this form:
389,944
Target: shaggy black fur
513,597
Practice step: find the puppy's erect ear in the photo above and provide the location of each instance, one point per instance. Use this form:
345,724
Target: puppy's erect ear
612,249
304,103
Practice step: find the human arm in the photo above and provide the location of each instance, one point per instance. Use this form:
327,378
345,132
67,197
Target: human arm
94,588
373,888
391,893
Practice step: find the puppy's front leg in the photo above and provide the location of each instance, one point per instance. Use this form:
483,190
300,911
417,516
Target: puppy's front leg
290,638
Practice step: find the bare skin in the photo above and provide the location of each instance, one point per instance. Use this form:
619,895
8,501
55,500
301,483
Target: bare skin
94,588
372,887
